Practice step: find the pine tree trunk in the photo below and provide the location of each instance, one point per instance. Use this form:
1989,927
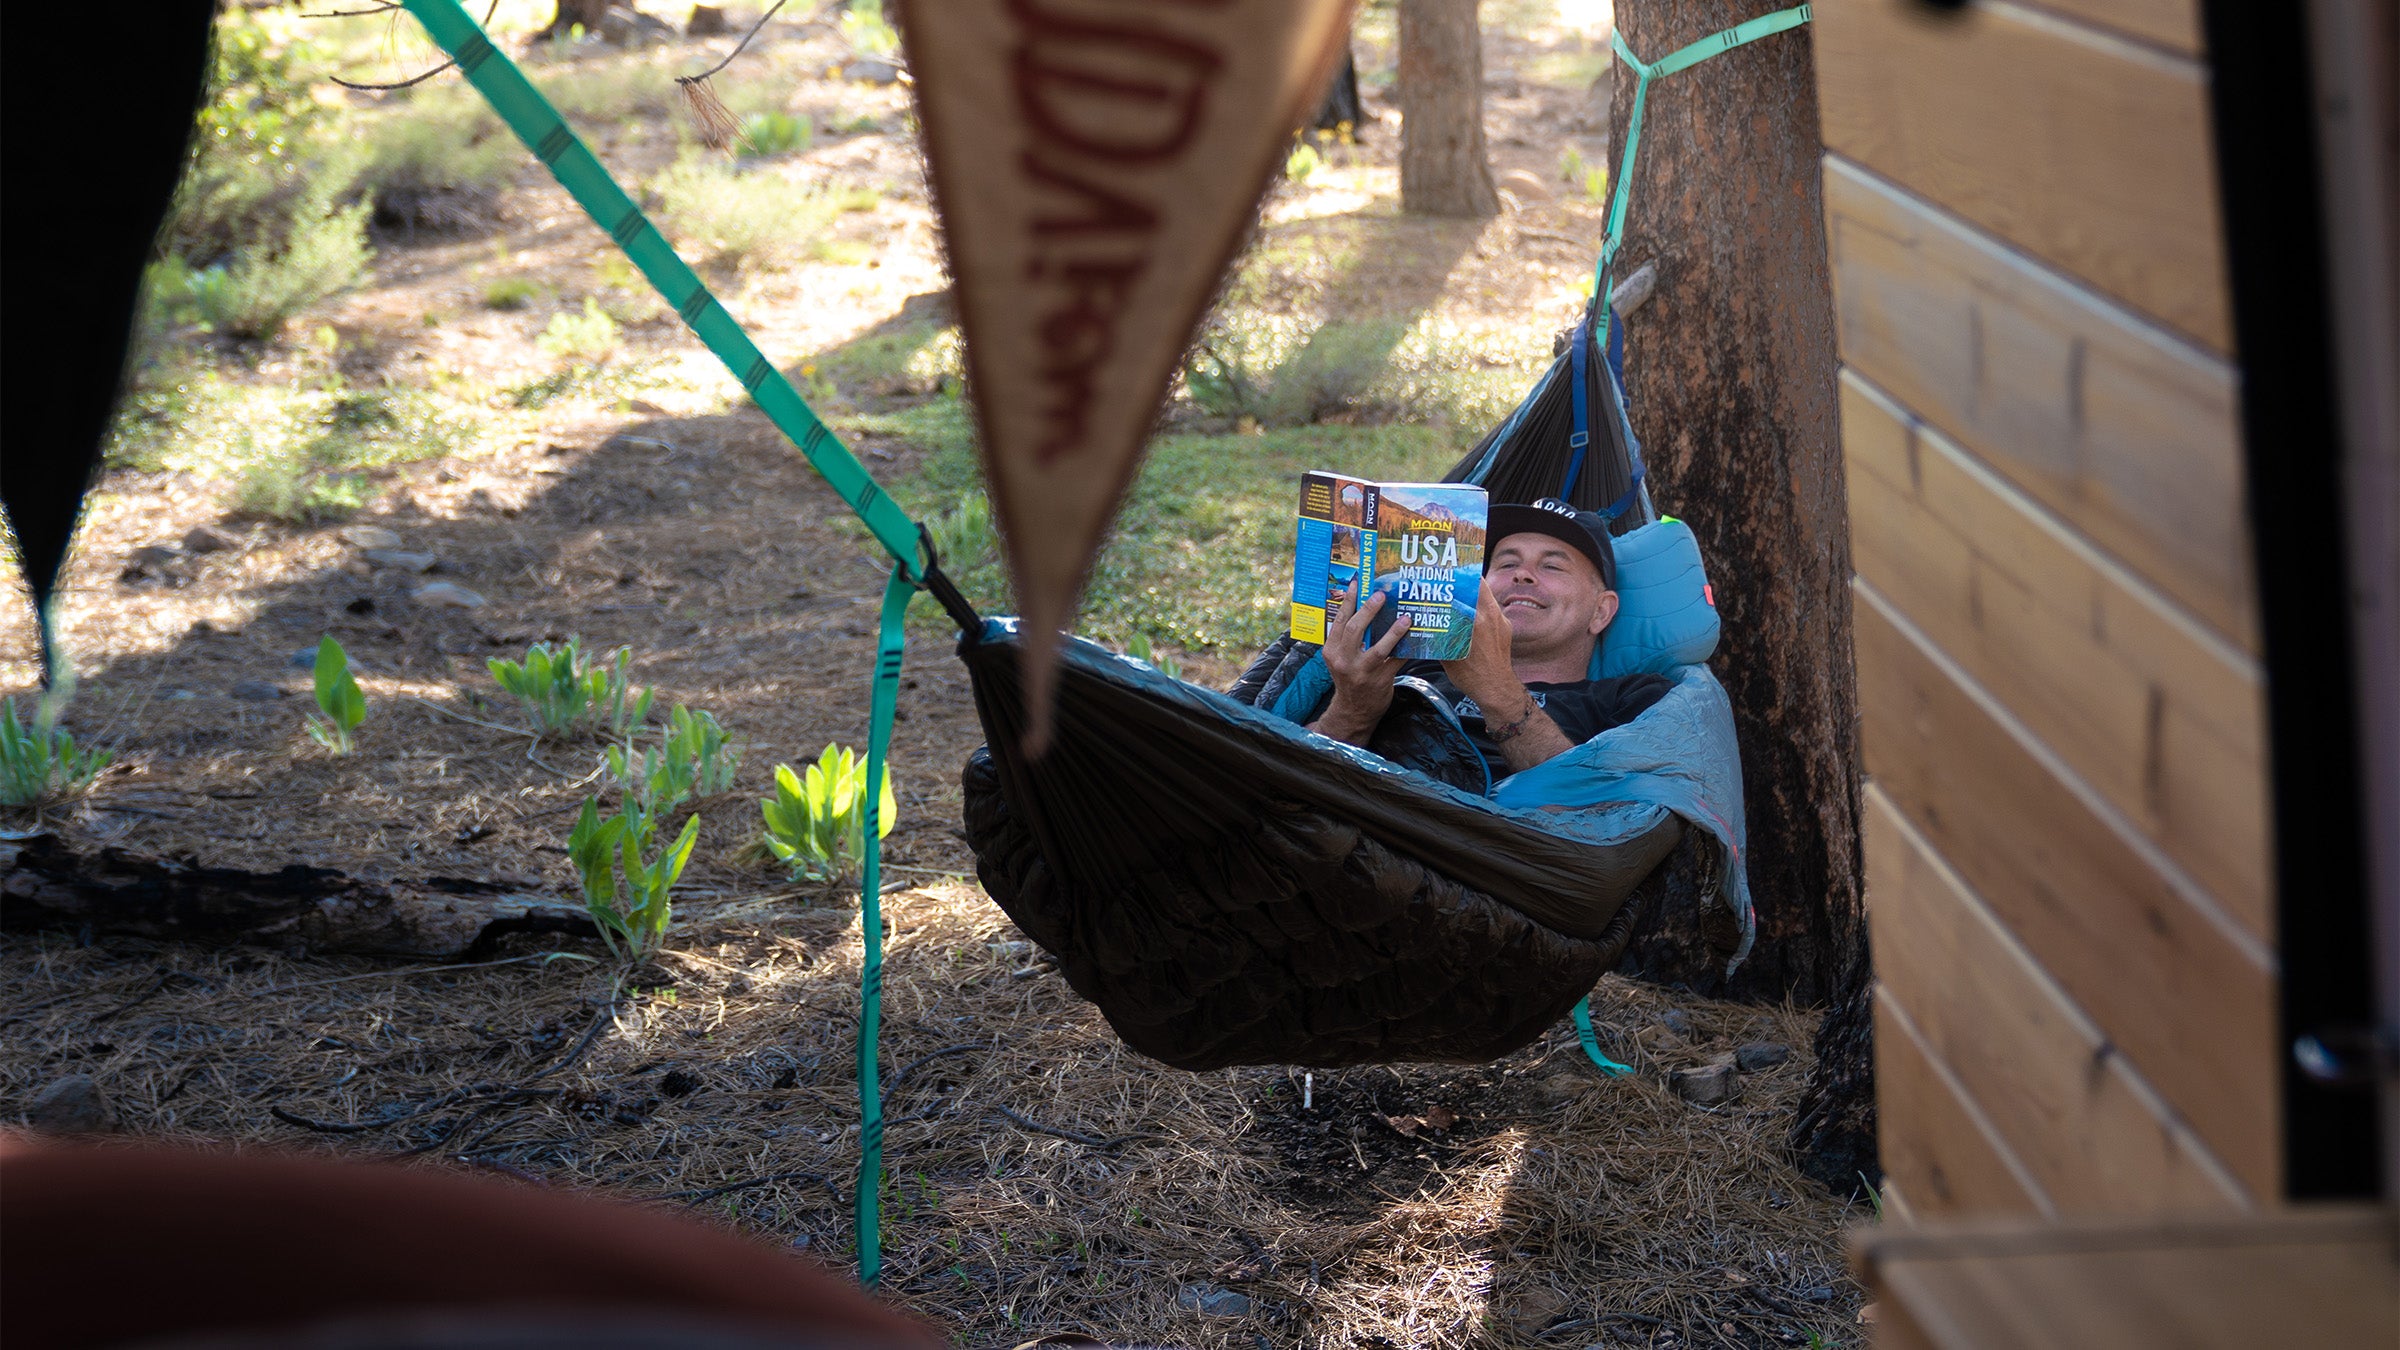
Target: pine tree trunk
1730,371
571,13
1444,170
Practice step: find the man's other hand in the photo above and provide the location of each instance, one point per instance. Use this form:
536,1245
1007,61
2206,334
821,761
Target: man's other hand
1486,673
1362,674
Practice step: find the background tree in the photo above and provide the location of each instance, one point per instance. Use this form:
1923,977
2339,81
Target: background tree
1730,370
1444,169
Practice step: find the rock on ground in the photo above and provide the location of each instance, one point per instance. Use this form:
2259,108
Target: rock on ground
1759,1056
446,595
72,1105
1709,1085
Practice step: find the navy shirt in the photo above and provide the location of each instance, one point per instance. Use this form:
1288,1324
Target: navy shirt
1581,708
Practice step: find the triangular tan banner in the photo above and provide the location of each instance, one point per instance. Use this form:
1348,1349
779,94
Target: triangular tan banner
1096,163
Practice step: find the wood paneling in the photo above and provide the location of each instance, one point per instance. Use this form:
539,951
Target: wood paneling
2090,1134
2092,152
2173,24
1931,1141
2320,1278
2158,714
2180,990
2124,430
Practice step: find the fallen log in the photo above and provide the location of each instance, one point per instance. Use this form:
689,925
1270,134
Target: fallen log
46,883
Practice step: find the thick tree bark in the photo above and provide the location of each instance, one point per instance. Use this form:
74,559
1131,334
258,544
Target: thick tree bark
1444,170
1730,375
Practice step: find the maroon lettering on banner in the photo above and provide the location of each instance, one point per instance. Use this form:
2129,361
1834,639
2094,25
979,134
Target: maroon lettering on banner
1097,97
1109,210
1076,338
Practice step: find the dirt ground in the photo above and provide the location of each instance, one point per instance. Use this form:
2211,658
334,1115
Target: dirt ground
1042,1178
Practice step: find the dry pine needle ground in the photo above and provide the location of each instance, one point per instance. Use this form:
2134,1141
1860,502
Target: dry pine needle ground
1558,1207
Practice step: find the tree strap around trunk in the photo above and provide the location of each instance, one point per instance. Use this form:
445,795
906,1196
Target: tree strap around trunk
914,564
1682,58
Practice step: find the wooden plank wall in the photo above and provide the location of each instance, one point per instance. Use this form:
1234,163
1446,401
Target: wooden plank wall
2067,847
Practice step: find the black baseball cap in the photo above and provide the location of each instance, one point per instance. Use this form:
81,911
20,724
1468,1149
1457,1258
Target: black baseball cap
1584,531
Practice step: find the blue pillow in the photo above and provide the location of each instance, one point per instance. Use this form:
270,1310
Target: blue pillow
1666,613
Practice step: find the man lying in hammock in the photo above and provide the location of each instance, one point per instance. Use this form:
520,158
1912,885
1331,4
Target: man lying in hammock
1521,691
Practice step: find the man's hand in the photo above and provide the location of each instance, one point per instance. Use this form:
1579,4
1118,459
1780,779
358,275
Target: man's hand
1362,675
1486,673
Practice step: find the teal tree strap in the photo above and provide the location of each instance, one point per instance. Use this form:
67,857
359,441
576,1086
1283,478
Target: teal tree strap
577,170
545,133
1591,1041
891,644
1682,58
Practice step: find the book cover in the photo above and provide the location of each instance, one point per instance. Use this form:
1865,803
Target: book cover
1420,544
1329,550
1425,556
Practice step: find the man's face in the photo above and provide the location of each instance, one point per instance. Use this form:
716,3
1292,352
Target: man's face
1550,593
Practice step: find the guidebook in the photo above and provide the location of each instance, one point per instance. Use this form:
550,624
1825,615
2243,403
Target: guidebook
1419,544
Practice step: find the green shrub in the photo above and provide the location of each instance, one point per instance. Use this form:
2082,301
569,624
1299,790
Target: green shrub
342,705
816,825
563,696
40,763
511,293
694,757
259,143
756,218
588,337
776,133
254,291
626,886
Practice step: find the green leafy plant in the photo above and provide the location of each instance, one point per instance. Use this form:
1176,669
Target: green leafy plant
694,757
776,133
1139,649
564,695
339,701
625,885
816,825
1591,178
589,336
1302,164
39,761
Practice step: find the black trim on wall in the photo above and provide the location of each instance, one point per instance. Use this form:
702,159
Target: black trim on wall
2263,106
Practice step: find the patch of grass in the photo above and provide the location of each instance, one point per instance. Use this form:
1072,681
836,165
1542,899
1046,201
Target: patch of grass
751,219
586,337
776,133
438,161
307,450
605,92
1284,372
867,31
918,359
1201,554
511,293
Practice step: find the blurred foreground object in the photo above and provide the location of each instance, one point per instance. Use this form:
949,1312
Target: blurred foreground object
175,1247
